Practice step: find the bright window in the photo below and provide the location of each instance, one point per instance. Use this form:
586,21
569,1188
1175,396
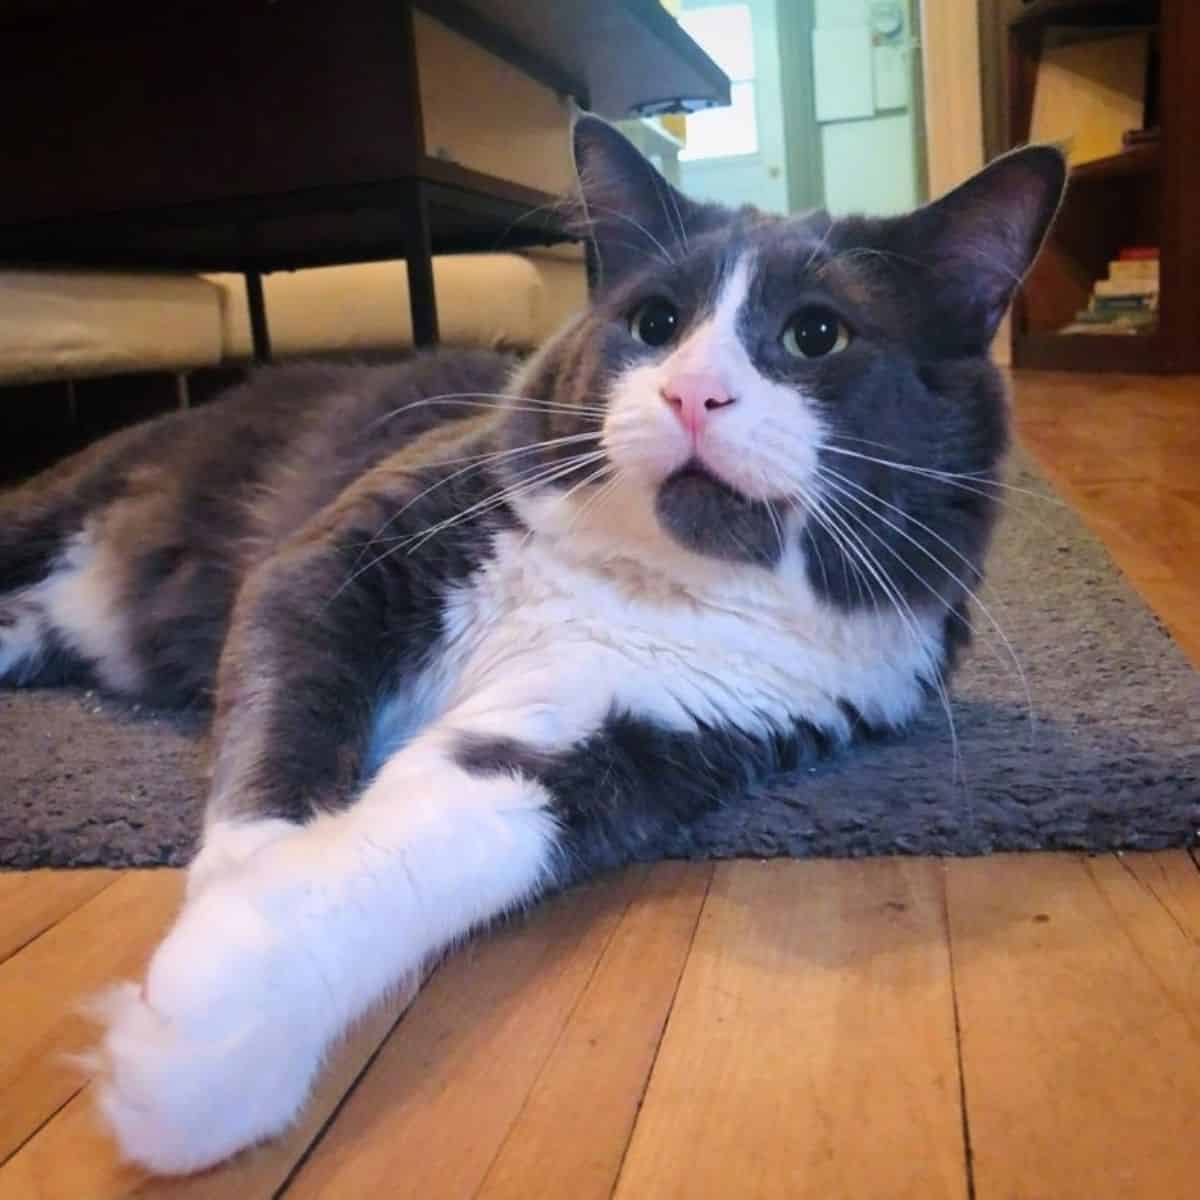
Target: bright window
726,35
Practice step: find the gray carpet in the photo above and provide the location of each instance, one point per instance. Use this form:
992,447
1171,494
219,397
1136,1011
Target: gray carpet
1111,759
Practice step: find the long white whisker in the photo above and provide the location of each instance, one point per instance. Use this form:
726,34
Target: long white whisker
499,401
531,479
520,487
949,477
902,606
814,506
667,258
1016,662
845,480
474,463
594,477
498,456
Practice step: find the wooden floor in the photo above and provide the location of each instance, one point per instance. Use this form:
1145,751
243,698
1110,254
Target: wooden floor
1018,1027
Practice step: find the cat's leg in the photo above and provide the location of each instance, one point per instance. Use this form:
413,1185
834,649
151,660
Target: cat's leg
480,814
313,644
275,950
269,964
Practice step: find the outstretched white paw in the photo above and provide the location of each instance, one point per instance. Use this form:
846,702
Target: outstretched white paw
216,1051
228,845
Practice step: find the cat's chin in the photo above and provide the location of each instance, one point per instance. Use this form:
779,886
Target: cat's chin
708,516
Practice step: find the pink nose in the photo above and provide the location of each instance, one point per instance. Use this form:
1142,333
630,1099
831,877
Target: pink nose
695,397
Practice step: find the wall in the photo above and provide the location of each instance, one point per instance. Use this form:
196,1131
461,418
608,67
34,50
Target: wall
869,163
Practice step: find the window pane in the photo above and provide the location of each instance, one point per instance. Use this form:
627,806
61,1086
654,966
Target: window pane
725,35
721,132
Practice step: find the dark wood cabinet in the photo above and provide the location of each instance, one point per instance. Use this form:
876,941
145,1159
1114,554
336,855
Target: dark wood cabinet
1148,195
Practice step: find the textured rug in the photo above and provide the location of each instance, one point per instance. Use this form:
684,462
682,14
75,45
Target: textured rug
1102,753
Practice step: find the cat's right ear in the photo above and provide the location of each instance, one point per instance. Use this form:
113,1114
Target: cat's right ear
980,240
630,212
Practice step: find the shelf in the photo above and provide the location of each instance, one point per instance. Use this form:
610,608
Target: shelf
1138,160
1142,352
1115,15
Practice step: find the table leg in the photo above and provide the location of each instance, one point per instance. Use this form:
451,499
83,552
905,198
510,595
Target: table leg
260,333
418,257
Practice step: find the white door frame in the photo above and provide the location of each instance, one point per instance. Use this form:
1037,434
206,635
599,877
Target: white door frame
954,106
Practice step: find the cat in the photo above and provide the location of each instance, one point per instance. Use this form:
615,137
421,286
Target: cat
474,628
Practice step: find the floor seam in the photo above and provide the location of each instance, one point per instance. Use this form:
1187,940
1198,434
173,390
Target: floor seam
41,1125
1150,890
41,933
968,1149
662,1033
587,983
319,1133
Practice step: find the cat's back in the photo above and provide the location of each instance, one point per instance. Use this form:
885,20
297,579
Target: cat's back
298,433
132,552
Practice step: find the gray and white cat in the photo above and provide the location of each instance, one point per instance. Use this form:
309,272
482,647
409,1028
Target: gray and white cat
476,629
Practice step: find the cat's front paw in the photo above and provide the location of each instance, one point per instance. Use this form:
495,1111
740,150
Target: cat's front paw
216,1051
229,845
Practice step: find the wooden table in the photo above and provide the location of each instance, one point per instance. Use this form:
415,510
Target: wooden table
262,135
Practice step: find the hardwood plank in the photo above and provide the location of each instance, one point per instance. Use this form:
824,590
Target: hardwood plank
1123,451
1079,1001
811,1049
429,1116
32,901
41,986
1173,878
73,1157
573,1130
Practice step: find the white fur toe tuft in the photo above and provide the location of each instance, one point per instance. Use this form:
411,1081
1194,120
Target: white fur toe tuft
205,1060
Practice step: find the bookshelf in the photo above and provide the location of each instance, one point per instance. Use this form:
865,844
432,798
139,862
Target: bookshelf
1146,195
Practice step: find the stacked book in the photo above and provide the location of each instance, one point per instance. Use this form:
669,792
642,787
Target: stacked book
1127,300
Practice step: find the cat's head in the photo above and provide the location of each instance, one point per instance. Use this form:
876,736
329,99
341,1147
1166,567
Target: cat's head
768,390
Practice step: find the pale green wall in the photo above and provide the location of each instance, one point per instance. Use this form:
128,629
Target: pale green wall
869,164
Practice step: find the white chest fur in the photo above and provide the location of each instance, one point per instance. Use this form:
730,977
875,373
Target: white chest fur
546,640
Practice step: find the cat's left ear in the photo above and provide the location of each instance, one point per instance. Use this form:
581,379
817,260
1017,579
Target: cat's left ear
979,240
631,212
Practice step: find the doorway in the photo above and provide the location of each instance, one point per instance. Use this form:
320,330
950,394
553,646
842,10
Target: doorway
826,106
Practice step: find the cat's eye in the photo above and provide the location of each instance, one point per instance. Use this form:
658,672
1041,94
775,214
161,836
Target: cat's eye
815,332
654,322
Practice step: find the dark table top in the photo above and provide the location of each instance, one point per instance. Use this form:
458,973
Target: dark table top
247,135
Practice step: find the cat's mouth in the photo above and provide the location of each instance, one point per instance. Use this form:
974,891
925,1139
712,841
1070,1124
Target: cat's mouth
694,477
704,513
694,467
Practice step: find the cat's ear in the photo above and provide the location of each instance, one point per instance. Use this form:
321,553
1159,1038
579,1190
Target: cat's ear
979,240
630,212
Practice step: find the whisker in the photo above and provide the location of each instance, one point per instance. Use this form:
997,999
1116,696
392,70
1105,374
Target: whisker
531,479
817,505
518,488
995,624
664,254
905,611
474,463
500,402
604,489
949,477
664,189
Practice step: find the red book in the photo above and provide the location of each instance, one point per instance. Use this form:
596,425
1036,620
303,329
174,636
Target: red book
1138,253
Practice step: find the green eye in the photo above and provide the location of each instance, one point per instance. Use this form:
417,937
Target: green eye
815,332
654,322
